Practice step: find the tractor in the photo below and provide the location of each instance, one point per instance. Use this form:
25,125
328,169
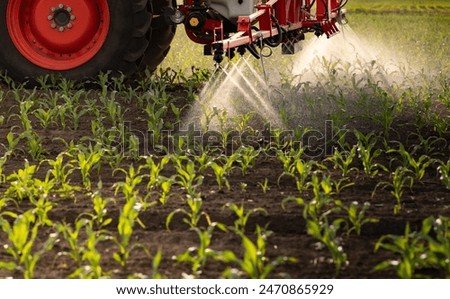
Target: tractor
81,38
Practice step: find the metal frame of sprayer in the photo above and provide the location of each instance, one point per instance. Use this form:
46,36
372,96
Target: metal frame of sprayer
272,23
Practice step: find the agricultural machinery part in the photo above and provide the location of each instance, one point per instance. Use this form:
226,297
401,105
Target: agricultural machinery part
270,23
81,38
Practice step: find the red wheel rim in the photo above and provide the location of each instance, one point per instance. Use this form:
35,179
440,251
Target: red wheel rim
58,34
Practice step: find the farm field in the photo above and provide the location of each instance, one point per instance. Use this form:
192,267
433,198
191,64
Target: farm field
347,175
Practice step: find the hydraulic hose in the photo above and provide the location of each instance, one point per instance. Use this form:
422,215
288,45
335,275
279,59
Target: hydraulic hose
269,41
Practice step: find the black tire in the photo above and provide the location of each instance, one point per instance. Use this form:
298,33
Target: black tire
122,51
161,35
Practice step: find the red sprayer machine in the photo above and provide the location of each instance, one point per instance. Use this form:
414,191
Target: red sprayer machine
80,38
245,25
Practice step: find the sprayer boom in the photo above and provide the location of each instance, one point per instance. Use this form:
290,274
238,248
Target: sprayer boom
268,23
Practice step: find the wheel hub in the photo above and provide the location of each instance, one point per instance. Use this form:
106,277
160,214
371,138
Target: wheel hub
58,36
60,18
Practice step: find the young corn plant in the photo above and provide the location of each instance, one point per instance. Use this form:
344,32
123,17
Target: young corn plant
220,172
411,247
343,160
288,159
193,215
155,179
197,256
341,184
3,160
86,161
34,142
444,171
400,179
155,115
93,268
247,157
436,232
114,111
24,186
367,153
154,169
127,219
72,236
301,171
60,172
264,185
13,142
254,263
22,235
327,234
187,176
356,217
417,167
129,215
242,216
46,117
99,215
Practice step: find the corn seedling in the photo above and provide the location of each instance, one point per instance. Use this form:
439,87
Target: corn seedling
25,186
242,216
322,189
221,175
264,185
341,184
356,218
242,122
86,161
100,213
326,234
193,215
254,263
444,171
128,217
34,142
157,258
204,161
187,176
301,171
24,112
367,153
22,236
431,145
155,123
410,247
288,160
436,232
13,140
400,177
73,238
418,167
3,160
60,172
93,269
113,110
247,156
46,117
343,160
154,168
197,256
166,185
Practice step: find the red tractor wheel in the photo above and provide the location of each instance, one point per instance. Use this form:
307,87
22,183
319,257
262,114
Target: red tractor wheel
77,38
161,33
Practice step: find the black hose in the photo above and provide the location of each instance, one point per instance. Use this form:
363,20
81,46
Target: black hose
269,41
252,49
326,6
311,5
